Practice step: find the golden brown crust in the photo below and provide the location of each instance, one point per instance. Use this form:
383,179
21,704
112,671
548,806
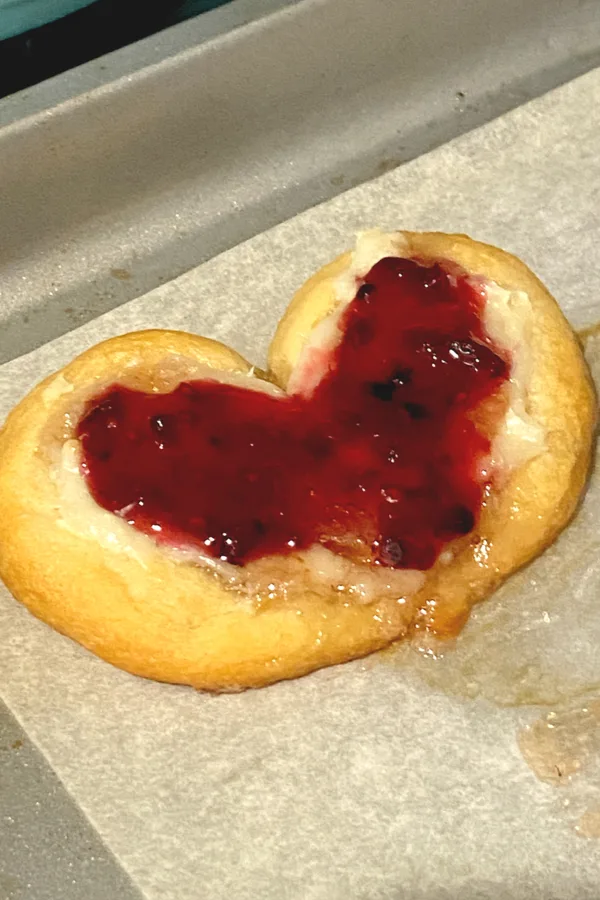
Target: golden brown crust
158,618
153,616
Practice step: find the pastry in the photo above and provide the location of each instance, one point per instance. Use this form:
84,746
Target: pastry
425,429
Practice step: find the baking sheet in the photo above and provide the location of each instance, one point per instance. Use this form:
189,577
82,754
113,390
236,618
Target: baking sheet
142,165
368,780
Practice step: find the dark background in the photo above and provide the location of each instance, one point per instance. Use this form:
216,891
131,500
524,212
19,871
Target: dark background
104,26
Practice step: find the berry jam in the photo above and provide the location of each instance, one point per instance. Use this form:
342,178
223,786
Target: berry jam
382,462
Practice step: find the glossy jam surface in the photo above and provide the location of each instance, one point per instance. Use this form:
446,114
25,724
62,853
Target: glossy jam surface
383,462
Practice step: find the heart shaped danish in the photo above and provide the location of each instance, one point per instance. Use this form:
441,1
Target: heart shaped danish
424,430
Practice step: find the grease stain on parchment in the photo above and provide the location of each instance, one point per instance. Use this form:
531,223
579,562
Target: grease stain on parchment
535,643
562,748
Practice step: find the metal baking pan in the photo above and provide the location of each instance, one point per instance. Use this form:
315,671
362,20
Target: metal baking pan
132,169
122,175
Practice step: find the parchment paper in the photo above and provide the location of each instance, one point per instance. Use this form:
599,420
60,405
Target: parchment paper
376,779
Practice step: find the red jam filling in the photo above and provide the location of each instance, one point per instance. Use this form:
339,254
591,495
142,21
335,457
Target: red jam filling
383,462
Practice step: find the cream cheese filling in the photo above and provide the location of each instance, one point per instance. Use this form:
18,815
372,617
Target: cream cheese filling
507,319
314,568
271,579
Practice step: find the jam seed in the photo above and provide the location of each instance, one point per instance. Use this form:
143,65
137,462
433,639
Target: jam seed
365,291
460,520
383,390
402,377
391,552
416,411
